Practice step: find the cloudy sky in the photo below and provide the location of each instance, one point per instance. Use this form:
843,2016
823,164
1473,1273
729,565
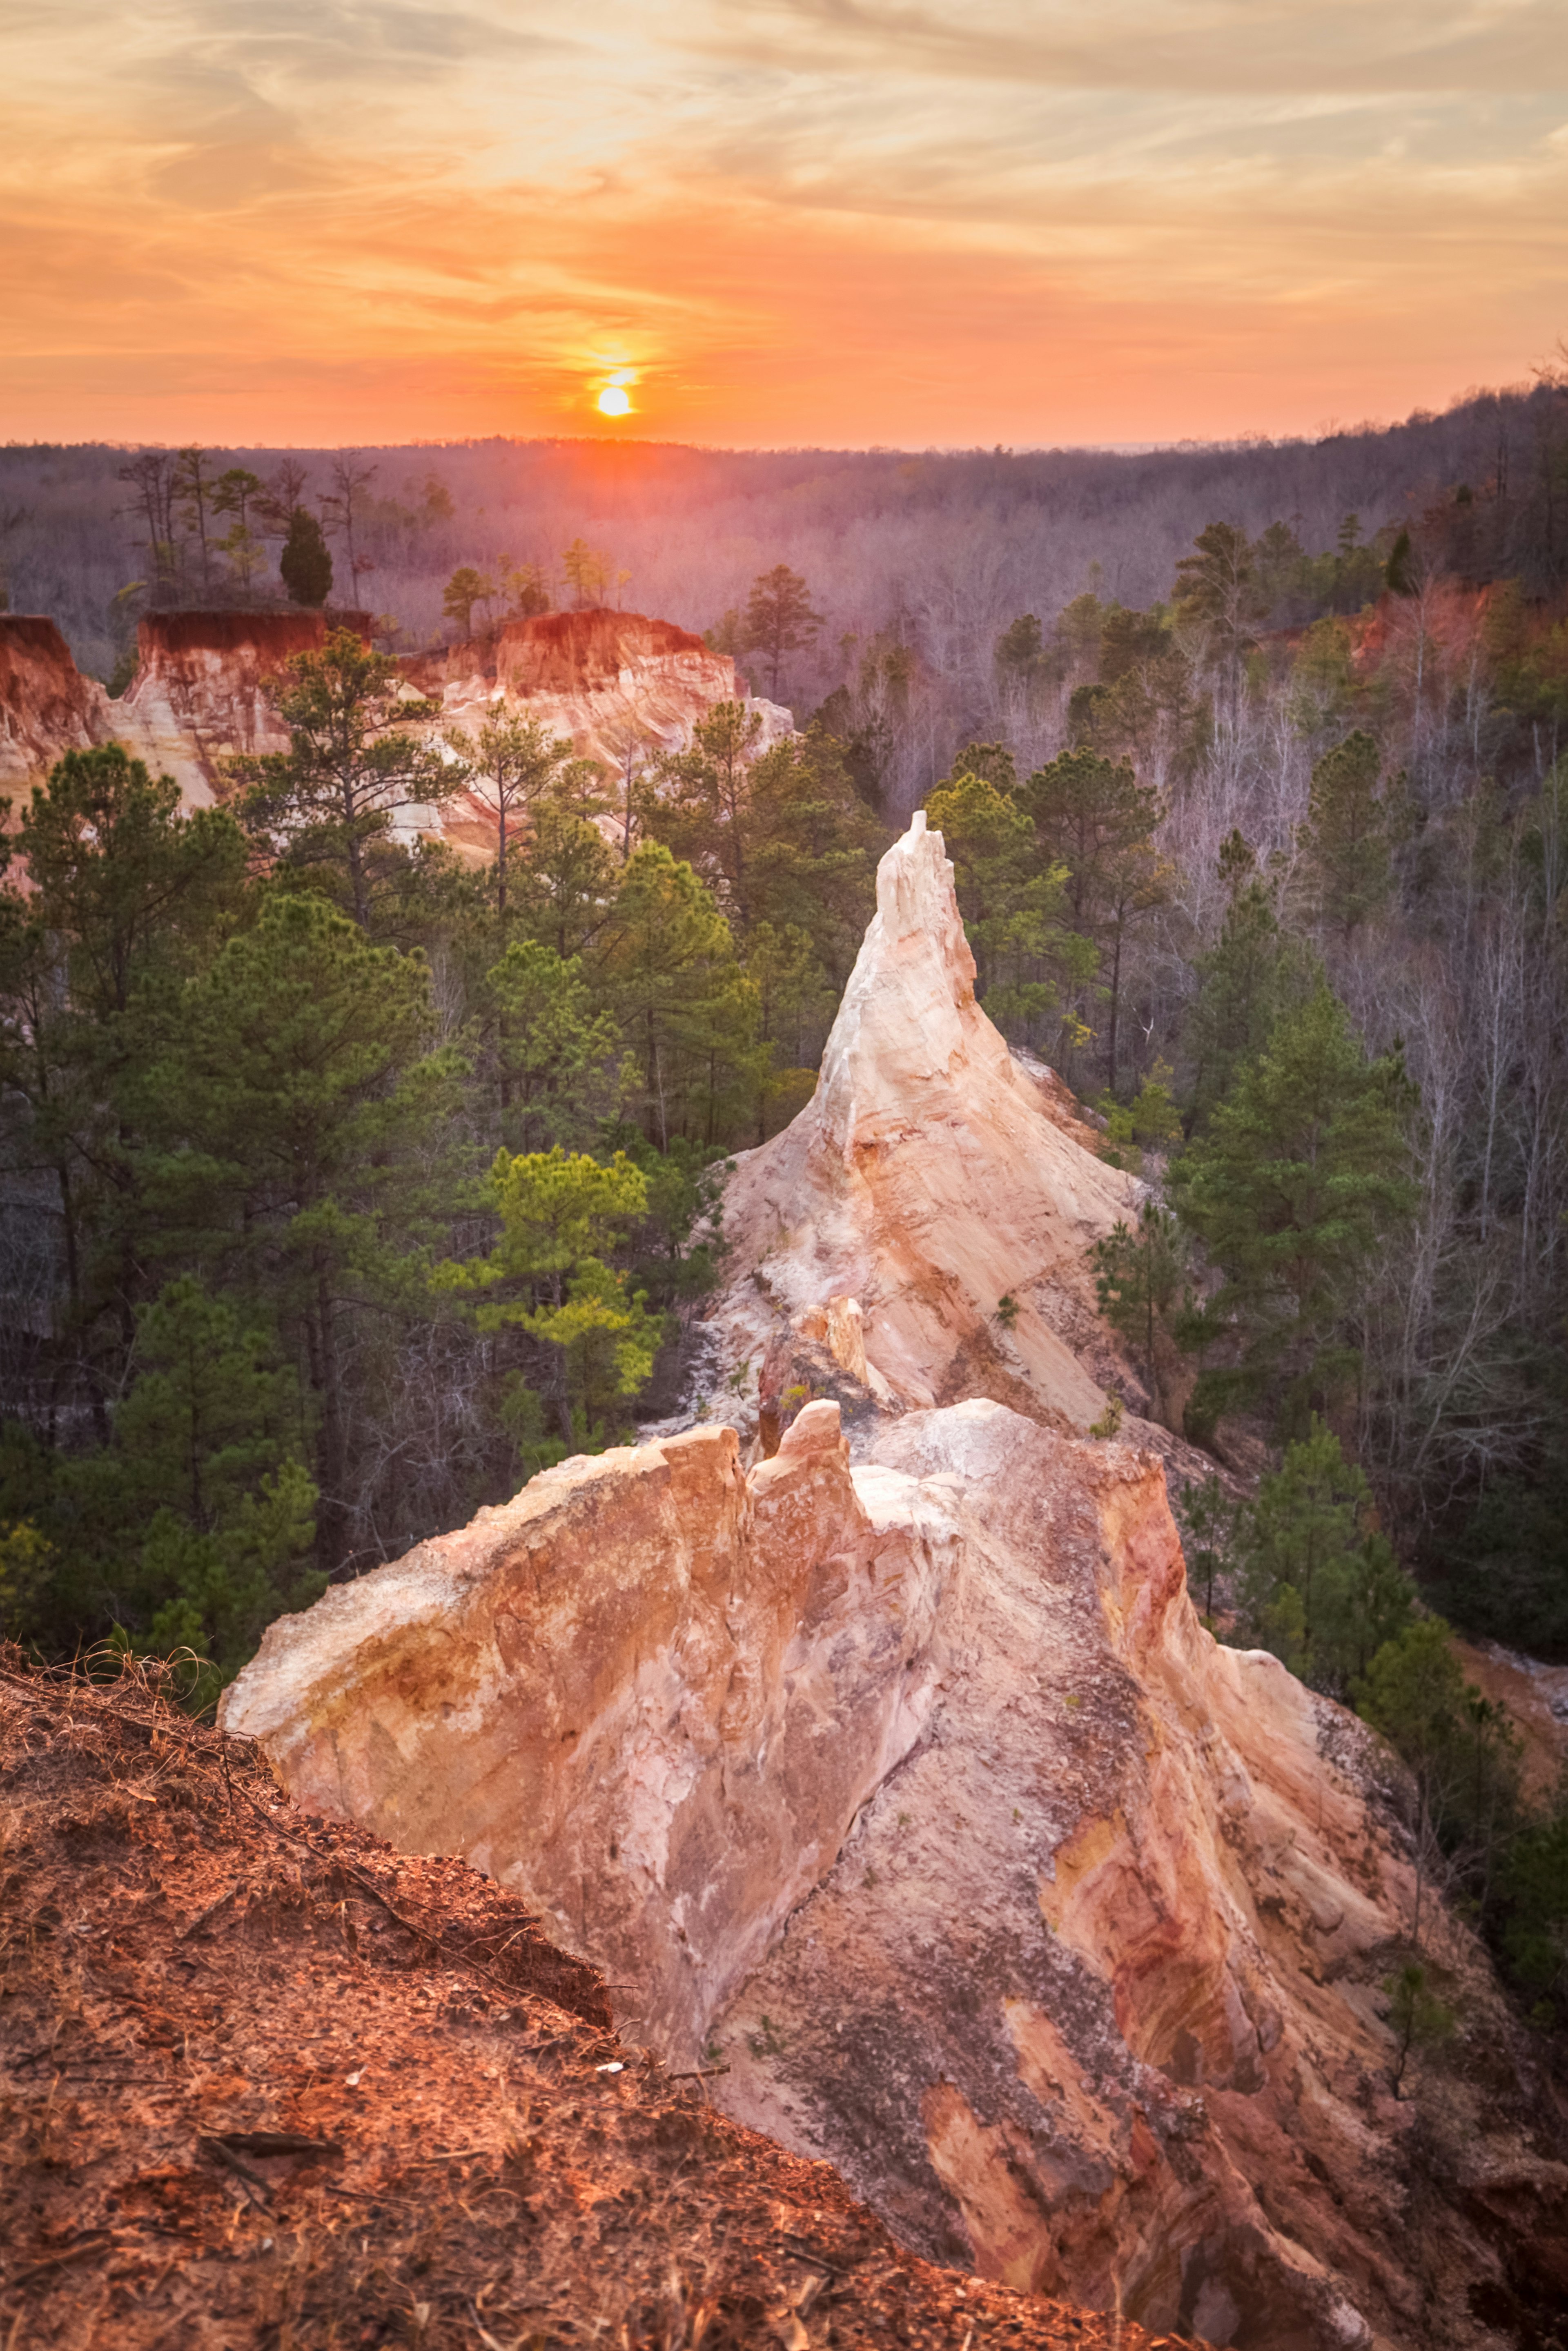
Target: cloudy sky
772,221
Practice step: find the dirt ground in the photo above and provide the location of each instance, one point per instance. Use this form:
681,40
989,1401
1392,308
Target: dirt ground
264,2081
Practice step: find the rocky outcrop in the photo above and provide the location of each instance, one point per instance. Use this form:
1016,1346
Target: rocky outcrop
609,682
46,706
907,1793
200,693
616,685
913,1795
931,1178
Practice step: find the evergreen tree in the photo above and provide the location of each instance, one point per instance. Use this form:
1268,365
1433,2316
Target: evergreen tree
1217,585
813,849
567,888
562,1215
1300,1176
1462,1751
562,1076
128,897
1095,819
794,1007
1316,1581
330,798
305,562
201,1515
781,839
1244,982
699,803
311,1157
1141,1272
1012,903
1345,840
510,765
686,1011
779,620
466,588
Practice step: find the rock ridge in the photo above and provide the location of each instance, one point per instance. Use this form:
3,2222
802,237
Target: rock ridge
930,1178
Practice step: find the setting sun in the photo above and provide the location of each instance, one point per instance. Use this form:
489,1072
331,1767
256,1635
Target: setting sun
614,402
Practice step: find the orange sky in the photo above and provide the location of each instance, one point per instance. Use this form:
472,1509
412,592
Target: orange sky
791,220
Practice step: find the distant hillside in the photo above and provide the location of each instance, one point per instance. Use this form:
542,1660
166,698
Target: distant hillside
937,551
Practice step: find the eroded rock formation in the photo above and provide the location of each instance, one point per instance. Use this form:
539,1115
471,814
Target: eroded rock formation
46,706
915,1796
931,1177
609,682
909,1792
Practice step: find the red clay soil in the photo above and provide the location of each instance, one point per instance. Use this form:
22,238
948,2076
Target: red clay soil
563,652
277,636
266,2082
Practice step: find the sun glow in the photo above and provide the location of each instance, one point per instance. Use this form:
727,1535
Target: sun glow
613,401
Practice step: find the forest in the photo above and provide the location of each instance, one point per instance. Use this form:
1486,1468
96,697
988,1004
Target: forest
346,1186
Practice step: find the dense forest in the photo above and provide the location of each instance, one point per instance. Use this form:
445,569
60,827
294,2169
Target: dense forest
346,1186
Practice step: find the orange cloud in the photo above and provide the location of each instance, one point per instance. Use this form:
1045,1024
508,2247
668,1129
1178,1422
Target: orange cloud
795,220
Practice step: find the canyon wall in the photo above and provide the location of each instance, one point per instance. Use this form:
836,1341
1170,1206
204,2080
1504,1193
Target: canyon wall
609,682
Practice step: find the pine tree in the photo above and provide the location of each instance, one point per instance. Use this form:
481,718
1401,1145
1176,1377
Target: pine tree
566,891
1141,1272
1094,817
507,767
1028,958
312,1155
305,562
699,803
562,1216
466,588
1301,1177
200,1513
779,621
1245,983
686,1009
128,897
562,1069
1217,585
1346,838
330,800
1317,1581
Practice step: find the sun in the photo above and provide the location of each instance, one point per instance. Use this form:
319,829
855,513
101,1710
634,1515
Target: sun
613,401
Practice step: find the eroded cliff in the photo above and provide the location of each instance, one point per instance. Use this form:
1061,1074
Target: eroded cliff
914,1795
909,1793
46,706
610,682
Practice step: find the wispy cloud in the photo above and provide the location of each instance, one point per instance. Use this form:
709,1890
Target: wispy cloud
825,219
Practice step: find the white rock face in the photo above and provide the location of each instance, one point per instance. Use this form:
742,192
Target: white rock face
929,1178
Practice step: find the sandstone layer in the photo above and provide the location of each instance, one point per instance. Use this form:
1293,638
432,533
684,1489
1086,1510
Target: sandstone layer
932,1178
913,1795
